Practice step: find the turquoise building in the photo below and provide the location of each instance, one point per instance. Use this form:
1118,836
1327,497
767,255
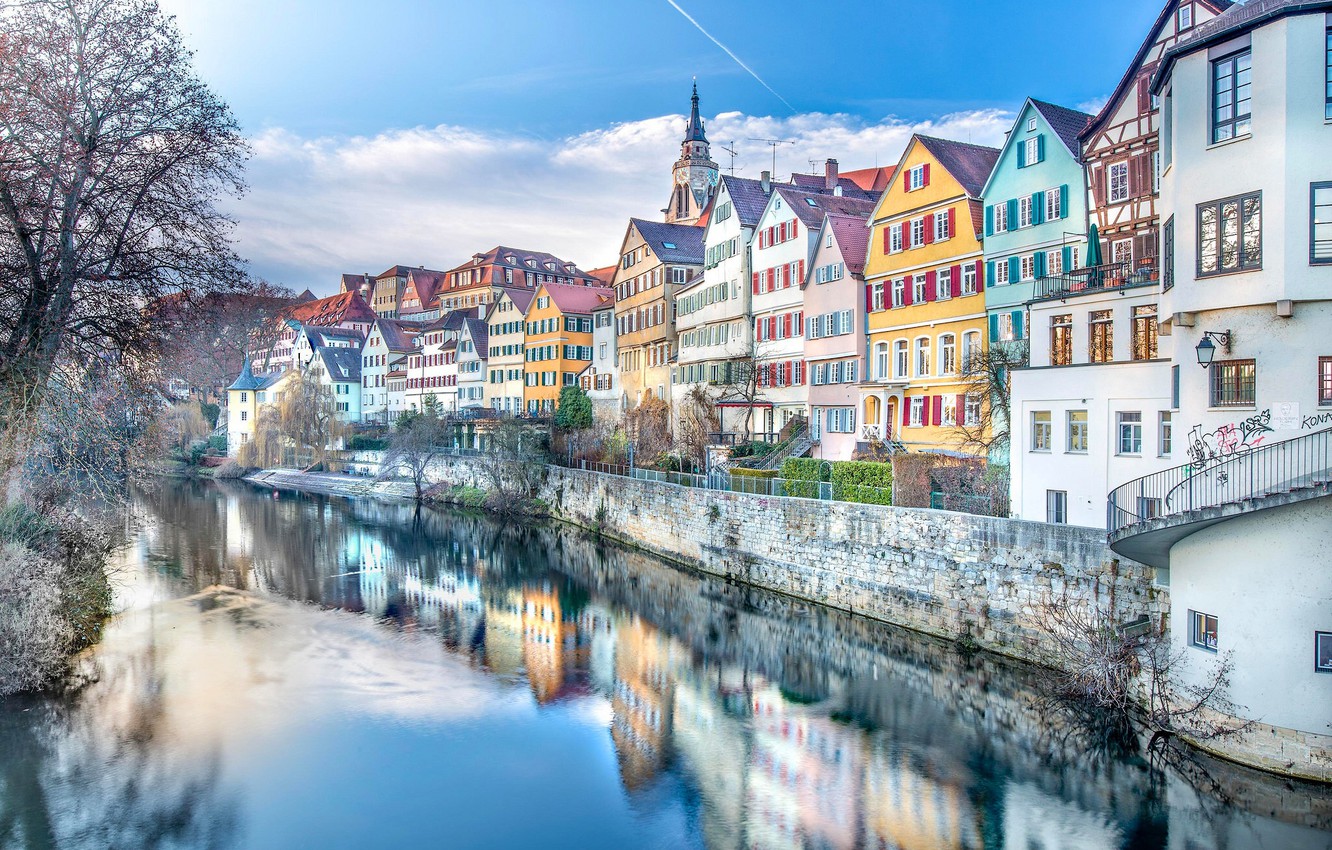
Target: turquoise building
1035,212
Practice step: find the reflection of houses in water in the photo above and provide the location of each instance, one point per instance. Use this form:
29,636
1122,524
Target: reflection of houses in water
642,702
804,776
503,629
710,733
553,653
1034,818
909,805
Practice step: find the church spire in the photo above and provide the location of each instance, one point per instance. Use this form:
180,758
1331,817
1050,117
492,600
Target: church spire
694,132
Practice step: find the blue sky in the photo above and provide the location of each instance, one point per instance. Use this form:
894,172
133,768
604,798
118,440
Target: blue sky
440,128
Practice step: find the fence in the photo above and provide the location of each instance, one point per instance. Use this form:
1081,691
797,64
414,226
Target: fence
1224,474
785,488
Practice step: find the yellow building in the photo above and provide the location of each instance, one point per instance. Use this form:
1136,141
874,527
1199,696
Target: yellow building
559,340
925,296
246,396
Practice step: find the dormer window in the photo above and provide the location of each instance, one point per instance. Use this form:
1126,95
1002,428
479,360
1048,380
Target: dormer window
531,264
1185,16
1031,124
670,245
915,177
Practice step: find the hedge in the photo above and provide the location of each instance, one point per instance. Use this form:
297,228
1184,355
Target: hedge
745,472
862,481
805,469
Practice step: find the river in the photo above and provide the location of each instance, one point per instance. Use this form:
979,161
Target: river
293,671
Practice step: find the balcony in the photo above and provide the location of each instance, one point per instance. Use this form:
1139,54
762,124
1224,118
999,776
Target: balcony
1108,277
1230,475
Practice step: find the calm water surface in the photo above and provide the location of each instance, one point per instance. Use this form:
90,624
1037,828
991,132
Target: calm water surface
298,671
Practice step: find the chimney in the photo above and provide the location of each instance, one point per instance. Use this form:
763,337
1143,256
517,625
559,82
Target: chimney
765,180
830,175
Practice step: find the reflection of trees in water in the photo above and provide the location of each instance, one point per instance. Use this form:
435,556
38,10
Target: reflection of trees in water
96,772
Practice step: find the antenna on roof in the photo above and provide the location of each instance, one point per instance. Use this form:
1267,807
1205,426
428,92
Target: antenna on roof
731,151
773,143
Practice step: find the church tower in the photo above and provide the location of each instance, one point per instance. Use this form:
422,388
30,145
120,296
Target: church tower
695,173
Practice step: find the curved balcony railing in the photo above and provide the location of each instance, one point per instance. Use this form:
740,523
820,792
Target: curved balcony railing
1227,468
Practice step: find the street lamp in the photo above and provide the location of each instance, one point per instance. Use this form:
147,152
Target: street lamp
1206,347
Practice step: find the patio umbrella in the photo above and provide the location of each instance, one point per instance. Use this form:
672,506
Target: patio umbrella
1094,258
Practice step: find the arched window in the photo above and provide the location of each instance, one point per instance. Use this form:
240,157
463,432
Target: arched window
947,354
902,359
881,361
923,356
971,346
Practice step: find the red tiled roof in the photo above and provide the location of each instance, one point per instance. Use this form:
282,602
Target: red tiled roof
852,234
333,310
578,299
871,179
605,274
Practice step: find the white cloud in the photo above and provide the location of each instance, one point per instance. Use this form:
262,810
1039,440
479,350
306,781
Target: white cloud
434,196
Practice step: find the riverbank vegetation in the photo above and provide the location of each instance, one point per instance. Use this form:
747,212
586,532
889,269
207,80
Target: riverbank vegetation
113,157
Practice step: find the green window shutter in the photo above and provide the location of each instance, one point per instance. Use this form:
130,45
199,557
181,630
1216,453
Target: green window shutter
1040,148
1012,214
1022,154
989,219
1037,207
1063,200
1067,253
1039,262
989,273
1017,325
1014,269
994,327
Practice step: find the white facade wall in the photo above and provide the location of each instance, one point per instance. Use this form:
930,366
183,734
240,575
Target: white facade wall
779,341
375,359
603,385
841,399
472,373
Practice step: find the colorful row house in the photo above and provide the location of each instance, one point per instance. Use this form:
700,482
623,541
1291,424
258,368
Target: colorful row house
926,310
558,341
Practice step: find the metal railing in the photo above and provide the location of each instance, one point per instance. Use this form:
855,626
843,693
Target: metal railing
753,485
1108,276
1229,466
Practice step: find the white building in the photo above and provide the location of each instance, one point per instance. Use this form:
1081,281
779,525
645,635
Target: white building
1242,532
601,379
387,347
471,364
338,367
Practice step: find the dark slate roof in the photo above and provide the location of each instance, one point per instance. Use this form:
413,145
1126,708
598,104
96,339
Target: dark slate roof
398,334
810,207
853,235
1237,18
969,164
687,240
246,380
694,131
343,364
318,334
819,183
1134,67
747,198
1067,123
480,333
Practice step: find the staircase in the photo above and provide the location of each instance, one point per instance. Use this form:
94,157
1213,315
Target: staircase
796,445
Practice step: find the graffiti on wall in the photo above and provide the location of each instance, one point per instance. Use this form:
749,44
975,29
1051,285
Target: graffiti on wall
1228,441
1308,423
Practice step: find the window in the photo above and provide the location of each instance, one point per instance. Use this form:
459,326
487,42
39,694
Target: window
972,414
1130,432
841,420
894,238
1005,331
917,232
245,415
947,354
1040,431
917,411
900,358
1168,255
949,410
1100,337
1327,110
1324,381
1032,154
1054,205
1056,506
1028,266
1000,217
899,292
1031,124
1054,262
1119,182
943,285
969,283
1231,96
1320,207
1322,643
1184,17
1165,433
941,231
1230,235
1024,211
919,288
245,396
1077,431
1000,272
923,357
1144,332
971,346
1202,630
1233,383
1121,251
915,177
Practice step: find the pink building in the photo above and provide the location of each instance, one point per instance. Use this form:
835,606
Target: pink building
835,333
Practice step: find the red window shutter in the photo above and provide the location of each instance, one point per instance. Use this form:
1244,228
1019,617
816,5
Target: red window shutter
938,410
906,410
925,411
869,298
887,241
772,327
955,279
952,223
801,271
795,227
772,232
925,180
908,292
927,225
961,403
755,282
786,276
906,179
786,325
906,231
931,285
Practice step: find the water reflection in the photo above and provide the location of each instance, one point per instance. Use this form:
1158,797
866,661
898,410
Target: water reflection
510,684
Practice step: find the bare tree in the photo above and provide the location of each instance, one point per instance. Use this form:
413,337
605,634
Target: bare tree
986,375
513,462
696,422
738,382
112,156
415,443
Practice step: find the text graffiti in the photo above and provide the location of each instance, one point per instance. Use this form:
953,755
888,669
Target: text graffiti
1228,441
1310,422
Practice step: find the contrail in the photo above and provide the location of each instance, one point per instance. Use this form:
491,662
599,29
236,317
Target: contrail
738,60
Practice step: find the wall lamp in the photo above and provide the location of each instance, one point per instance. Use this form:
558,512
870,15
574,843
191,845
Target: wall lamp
1206,347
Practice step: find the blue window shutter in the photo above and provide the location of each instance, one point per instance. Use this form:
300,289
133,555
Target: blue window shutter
1022,154
1012,214
1040,148
1039,258
1037,207
989,273
1014,269
1068,258
994,327
1017,325
1063,200
989,219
